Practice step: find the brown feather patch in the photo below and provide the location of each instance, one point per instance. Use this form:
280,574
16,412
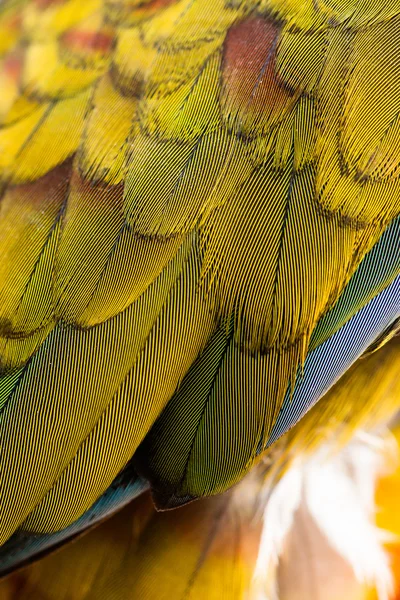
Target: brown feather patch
251,87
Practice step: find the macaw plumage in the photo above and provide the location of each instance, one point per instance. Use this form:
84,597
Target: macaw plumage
211,548
199,235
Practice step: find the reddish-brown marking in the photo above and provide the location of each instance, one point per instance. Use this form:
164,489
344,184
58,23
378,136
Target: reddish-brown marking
78,40
47,190
249,73
98,194
248,45
15,22
12,65
43,4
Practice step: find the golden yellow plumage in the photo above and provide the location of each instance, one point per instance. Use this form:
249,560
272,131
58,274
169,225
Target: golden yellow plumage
209,548
198,203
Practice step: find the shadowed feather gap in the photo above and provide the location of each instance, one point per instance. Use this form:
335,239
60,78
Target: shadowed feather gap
22,547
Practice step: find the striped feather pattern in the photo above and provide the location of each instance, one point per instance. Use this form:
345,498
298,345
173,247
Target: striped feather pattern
20,547
199,233
209,548
341,411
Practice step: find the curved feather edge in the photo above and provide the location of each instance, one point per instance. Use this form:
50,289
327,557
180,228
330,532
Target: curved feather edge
22,547
155,459
376,271
343,348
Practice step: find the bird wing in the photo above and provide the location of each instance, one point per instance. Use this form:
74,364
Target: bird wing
199,228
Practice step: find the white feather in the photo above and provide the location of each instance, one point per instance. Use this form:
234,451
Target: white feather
337,490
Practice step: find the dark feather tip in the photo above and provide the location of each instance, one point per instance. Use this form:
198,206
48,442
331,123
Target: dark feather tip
166,501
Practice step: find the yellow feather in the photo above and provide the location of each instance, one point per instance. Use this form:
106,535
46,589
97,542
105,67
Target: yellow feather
33,212
157,366
49,21
131,61
14,137
96,250
109,127
54,135
46,76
